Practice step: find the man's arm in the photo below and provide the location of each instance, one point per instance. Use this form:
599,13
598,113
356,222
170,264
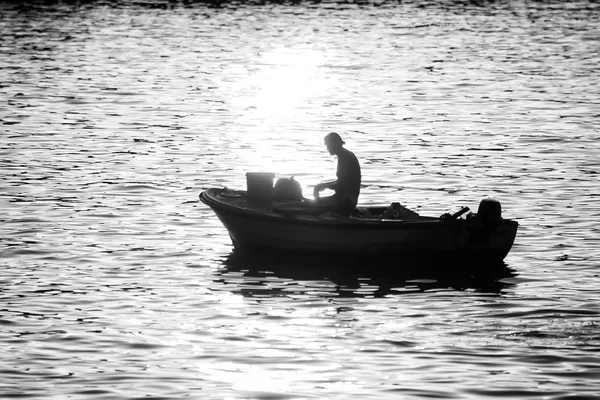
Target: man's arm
324,185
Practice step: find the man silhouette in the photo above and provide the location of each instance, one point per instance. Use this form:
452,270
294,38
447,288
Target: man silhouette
347,184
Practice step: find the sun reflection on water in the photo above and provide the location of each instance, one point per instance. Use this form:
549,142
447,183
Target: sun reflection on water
283,85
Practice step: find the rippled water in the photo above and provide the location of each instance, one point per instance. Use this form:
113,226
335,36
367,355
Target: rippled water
117,283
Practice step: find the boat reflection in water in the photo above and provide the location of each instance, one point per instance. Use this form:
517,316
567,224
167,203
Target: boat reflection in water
274,275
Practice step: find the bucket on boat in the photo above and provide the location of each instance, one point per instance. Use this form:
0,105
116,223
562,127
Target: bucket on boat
259,186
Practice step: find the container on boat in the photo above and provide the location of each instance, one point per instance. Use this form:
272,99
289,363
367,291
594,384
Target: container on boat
259,186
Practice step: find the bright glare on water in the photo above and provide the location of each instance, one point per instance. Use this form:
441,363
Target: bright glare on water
117,283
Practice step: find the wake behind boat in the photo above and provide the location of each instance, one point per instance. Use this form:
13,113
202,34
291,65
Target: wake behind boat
261,223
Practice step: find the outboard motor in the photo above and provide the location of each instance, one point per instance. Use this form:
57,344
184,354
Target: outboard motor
490,211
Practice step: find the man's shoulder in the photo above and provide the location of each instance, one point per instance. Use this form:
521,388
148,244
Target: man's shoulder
347,154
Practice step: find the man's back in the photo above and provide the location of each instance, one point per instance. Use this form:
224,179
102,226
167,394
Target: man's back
348,176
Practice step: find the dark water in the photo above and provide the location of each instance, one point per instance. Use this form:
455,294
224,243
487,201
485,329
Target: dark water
117,283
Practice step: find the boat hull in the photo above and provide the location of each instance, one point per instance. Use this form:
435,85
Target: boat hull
252,228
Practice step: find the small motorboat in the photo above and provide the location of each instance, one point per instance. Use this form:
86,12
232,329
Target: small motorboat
272,225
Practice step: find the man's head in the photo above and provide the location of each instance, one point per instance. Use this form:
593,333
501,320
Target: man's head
334,143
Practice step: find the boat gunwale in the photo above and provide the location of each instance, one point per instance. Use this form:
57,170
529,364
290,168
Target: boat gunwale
215,204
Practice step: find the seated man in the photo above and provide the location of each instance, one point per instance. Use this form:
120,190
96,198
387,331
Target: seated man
347,184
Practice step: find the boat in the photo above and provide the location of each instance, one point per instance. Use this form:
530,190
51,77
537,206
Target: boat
271,225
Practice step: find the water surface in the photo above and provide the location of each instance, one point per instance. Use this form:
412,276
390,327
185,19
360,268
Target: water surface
117,283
